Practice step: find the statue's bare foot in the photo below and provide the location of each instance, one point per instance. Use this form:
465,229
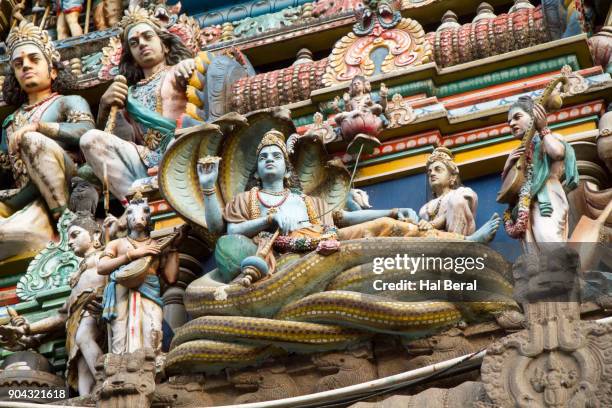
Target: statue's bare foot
486,233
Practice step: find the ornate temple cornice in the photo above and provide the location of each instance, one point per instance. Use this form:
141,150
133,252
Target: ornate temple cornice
451,46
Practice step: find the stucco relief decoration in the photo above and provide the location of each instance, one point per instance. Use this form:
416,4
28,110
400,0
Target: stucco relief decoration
378,25
324,8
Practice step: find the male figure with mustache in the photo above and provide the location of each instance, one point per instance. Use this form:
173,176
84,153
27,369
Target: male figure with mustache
40,140
157,66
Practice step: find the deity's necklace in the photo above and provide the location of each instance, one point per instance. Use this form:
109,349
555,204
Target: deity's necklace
155,75
434,213
134,241
26,112
284,194
34,105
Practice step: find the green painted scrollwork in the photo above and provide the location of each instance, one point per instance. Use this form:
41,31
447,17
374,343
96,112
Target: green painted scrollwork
52,267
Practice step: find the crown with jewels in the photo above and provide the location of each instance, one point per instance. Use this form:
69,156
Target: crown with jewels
28,33
442,154
274,138
135,15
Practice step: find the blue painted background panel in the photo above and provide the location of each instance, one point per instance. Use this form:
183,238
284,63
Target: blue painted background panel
413,192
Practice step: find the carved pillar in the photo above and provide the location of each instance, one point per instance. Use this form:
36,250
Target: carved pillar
559,361
174,306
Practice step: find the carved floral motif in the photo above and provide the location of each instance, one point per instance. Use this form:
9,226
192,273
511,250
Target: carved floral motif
352,55
52,267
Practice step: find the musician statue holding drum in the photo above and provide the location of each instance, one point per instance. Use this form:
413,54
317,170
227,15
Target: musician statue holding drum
541,214
132,299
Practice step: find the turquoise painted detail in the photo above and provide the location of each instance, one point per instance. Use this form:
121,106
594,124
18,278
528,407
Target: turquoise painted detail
10,280
234,12
229,252
507,75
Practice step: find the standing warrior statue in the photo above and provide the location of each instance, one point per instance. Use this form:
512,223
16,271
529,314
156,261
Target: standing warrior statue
541,215
134,312
157,66
68,12
78,316
41,138
453,207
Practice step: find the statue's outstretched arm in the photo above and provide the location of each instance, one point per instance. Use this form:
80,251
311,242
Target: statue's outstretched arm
171,266
49,324
349,218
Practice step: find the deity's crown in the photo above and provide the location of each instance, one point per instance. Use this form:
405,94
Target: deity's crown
135,15
442,154
28,33
274,138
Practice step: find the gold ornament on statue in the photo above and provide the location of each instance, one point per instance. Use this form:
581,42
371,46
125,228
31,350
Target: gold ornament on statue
28,33
274,138
136,15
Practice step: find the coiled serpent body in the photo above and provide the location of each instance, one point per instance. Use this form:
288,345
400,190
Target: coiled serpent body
320,303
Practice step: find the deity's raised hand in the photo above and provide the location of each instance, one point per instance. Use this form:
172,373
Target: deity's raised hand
540,117
208,171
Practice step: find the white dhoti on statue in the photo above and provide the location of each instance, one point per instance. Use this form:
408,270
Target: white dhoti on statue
138,323
552,229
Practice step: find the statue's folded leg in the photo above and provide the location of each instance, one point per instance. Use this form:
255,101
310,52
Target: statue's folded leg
29,229
459,216
49,168
123,163
389,227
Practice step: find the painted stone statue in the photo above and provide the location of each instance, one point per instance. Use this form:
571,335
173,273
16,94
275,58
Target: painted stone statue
157,66
107,13
275,203
134,310
79,314
68,12
362,119
294,269
542,217
453,207
40,139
